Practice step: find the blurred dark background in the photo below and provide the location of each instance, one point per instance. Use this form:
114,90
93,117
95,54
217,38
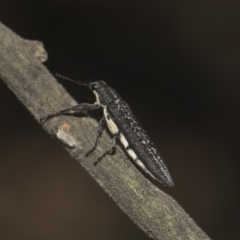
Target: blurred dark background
177,65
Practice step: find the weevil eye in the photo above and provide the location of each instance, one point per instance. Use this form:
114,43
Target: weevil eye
94,85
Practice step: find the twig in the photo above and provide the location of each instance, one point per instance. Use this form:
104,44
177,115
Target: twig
156,213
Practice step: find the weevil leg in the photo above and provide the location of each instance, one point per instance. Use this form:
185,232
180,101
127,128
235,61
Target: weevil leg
83,107
99,133
111,151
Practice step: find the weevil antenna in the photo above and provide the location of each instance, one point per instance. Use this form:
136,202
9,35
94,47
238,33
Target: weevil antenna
80,82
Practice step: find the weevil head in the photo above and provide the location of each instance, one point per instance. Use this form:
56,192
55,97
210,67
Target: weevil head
104,93
96,86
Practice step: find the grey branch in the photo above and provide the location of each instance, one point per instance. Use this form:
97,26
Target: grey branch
156,213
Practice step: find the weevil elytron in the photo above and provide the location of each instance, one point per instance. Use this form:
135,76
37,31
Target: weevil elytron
124,126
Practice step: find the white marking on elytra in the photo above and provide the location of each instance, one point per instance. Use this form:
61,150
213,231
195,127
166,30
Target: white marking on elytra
123,140
141,165
132,154
138,162
111,125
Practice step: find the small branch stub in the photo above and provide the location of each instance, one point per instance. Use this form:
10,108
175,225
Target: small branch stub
64,136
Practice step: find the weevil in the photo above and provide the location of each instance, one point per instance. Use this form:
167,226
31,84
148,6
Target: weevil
124,127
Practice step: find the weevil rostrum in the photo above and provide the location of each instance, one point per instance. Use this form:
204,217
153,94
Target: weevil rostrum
124,126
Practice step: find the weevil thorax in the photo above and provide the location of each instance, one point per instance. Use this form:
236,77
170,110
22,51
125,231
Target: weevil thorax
104,93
